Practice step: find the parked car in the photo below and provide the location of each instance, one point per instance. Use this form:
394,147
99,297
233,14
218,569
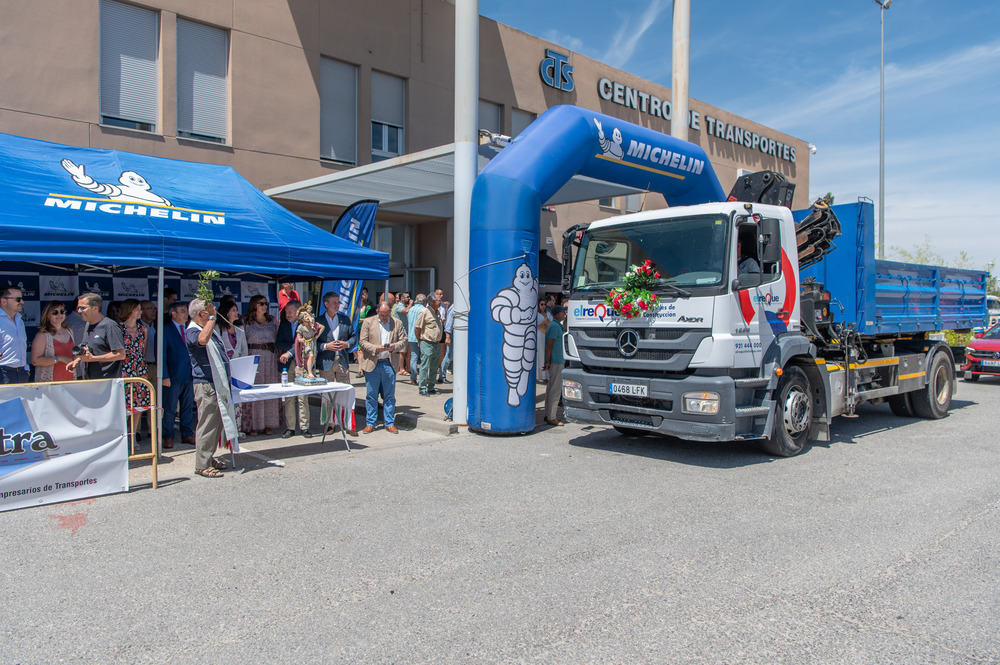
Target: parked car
982,355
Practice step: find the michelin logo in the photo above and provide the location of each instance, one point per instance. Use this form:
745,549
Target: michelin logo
133,195
655,155
610,147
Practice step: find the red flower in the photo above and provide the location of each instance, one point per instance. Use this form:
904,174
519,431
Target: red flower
657,275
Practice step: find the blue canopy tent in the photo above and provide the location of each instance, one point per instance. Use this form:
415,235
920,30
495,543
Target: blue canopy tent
62,204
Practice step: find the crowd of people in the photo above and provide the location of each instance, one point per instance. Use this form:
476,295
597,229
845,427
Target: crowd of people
398,335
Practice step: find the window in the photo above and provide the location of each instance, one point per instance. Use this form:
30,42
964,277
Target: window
202,81
607,202
633,202
489,117
129,68
519,121
388,111
338,111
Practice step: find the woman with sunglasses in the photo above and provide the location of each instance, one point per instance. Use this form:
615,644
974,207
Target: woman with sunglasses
52,348
261,332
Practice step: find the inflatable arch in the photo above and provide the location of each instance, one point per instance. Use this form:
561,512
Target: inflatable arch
503,256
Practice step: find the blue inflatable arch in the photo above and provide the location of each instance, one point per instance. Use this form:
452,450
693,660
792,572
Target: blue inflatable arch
506,214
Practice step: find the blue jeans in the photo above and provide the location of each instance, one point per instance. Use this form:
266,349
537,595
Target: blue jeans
382,380
13,375
183,392
414,360
445,362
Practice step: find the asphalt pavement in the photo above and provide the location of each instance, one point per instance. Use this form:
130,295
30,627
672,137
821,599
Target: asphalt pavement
570,545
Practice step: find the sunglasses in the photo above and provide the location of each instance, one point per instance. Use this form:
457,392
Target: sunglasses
18,299
58,311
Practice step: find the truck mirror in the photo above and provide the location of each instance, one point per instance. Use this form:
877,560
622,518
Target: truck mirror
747,280
770,236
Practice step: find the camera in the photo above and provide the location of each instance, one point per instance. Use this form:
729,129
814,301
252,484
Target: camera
79,350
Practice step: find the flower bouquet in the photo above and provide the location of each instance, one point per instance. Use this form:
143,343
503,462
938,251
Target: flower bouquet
635,297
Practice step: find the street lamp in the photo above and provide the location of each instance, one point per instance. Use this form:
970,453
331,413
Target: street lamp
883,5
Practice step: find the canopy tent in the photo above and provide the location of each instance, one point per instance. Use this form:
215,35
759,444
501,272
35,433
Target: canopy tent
63,204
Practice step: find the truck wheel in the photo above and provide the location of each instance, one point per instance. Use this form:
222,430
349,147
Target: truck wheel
793,415
630,431
933,400
902,405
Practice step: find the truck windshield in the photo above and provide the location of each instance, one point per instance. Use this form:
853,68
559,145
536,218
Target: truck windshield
688,252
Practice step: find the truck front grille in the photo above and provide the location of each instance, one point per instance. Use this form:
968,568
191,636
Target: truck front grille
659,349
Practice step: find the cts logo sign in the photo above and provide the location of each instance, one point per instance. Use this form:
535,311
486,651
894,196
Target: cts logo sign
600,311
556,71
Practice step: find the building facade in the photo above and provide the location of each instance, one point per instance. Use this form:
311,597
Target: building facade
293,90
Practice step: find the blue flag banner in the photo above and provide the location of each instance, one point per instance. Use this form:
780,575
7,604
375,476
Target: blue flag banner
355,225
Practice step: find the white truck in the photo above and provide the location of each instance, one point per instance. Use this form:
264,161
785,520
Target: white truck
770,356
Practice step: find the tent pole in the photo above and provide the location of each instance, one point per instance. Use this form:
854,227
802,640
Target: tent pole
159,358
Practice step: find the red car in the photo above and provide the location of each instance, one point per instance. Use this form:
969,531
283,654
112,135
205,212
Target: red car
982,355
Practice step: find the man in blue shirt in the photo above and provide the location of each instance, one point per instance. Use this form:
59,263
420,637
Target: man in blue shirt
411,336
554,363
13,338
449,320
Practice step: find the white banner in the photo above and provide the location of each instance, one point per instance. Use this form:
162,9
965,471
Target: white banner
62,442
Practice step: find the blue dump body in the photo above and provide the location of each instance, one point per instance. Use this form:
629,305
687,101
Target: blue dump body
891,297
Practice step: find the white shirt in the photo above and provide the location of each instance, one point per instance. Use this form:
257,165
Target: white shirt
385,333
333,325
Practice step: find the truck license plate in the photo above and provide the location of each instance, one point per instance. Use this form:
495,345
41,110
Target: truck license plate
991,363
628,389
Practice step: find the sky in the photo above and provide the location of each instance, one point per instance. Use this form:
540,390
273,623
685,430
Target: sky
810,69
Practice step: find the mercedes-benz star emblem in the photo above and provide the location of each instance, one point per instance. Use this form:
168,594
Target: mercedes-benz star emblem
628,343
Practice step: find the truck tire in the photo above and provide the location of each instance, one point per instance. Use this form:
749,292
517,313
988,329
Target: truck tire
630,431
933,400
902,405
793,415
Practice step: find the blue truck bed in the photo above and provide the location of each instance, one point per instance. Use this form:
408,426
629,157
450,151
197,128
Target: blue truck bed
892,297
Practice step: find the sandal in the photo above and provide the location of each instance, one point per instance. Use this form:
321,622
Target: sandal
208,473
252,432
268,431
219,464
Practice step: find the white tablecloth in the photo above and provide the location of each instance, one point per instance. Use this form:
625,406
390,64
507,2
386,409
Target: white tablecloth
343,394
337,408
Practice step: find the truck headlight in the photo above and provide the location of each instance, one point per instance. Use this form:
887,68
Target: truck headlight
572,390
704,403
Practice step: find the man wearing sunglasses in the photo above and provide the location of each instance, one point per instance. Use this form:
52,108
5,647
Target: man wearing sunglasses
13,338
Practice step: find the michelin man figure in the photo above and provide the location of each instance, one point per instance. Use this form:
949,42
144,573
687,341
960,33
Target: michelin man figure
132,187
515,308
613,146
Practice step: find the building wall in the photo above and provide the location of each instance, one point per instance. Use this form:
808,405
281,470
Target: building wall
49,89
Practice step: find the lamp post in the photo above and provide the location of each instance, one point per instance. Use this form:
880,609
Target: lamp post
883,5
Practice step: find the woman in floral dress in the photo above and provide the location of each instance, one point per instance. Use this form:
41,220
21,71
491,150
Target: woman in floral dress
136,395
261,331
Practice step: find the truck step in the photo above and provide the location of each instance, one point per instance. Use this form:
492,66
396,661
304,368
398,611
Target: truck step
752,382
752,411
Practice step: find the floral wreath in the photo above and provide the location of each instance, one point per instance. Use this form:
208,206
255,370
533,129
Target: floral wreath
635,297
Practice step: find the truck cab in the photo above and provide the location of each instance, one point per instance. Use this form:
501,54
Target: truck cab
687,366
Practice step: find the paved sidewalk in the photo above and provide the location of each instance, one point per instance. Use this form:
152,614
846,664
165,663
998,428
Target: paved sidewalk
420,419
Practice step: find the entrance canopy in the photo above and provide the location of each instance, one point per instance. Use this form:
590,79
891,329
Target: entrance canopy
62,204
422,183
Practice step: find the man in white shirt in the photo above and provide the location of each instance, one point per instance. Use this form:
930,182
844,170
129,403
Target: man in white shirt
13,338
334,344
381,340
